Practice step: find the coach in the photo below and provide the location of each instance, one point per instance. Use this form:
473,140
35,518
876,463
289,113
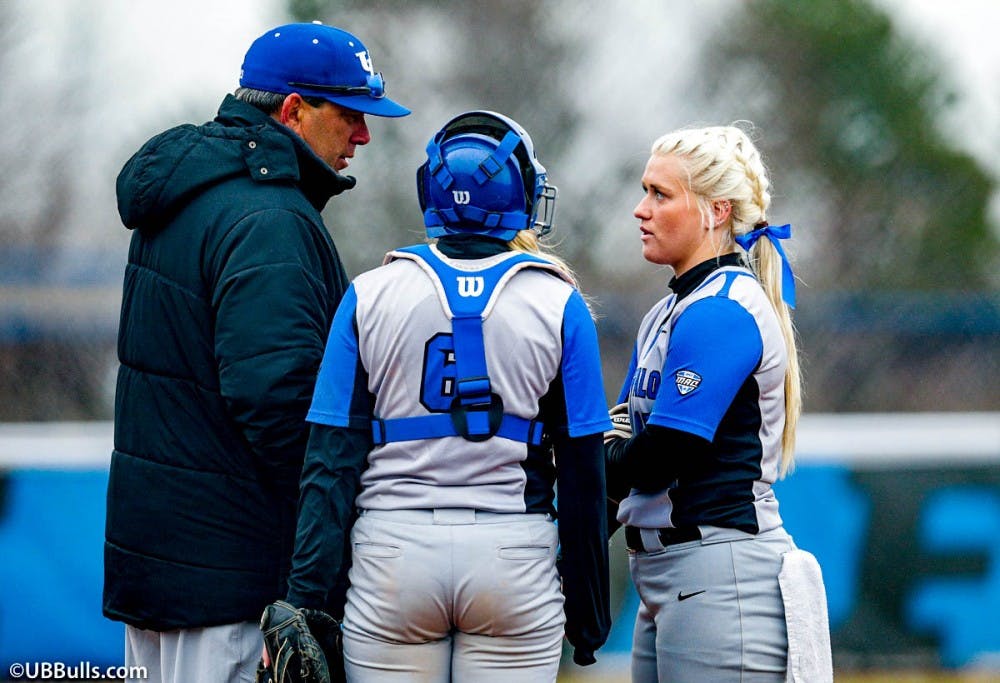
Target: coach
230,288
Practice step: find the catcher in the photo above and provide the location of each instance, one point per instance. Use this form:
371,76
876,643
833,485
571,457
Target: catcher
461,382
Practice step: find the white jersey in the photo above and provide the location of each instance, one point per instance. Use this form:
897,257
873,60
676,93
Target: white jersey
392,341
712,364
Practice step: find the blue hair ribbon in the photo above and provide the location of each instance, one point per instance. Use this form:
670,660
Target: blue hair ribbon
774,233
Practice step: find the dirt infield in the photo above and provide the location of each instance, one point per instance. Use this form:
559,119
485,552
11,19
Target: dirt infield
839,677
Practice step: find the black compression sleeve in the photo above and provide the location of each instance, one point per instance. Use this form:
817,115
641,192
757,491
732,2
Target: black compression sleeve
652,459
583,539
330,483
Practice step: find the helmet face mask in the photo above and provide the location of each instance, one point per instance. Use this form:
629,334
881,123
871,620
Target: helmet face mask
481,177
545,210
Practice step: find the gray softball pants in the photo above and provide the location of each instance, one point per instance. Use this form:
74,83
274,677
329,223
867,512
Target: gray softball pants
453,595
711,609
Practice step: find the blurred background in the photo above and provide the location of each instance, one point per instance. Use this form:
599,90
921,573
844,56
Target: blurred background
879,121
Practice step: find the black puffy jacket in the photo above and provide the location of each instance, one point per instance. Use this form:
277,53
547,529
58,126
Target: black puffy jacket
230,288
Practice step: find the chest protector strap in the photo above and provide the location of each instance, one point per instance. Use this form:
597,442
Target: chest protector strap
467,297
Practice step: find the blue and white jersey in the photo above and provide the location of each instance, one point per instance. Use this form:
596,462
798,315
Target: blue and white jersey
390,356
712,363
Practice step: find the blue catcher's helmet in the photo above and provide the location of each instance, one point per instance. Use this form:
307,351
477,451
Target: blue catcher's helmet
481,177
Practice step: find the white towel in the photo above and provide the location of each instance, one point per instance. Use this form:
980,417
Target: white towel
809,657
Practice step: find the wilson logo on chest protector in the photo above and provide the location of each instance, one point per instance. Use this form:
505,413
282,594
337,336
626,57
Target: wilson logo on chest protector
470,285
686,381
461,196
467,404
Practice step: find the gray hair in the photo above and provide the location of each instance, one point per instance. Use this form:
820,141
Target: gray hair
269,102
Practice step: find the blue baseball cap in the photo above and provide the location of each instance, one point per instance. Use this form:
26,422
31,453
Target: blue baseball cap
318,61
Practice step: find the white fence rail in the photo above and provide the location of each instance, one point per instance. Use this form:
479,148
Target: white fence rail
869,440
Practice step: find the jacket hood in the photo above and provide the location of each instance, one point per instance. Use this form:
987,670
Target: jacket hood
186,160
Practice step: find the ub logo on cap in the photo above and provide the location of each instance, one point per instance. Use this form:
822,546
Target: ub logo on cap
318,61
366,61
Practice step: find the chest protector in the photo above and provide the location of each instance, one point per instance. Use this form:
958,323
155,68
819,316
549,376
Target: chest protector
467,298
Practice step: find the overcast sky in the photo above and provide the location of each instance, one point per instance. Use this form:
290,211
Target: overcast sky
193,45
965,34
154,58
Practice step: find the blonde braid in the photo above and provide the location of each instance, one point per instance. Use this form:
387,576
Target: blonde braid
723,164
766,264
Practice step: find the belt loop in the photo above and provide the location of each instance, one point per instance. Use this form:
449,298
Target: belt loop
655,540
651,540
454,516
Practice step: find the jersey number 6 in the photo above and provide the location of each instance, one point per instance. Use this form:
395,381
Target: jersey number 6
437,384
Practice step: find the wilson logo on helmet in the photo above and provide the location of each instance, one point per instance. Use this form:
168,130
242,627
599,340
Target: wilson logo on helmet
482,177
470,285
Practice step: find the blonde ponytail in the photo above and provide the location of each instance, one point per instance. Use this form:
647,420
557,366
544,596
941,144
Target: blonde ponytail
527,241
724,164
767,266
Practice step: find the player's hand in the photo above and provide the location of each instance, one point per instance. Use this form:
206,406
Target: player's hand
621,424
617,484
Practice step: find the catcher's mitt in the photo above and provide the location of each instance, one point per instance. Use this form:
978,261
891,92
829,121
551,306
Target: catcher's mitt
304,646
621,424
